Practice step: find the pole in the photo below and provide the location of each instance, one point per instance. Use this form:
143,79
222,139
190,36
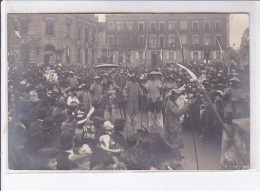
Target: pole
192,129
224,126
214,110
195,149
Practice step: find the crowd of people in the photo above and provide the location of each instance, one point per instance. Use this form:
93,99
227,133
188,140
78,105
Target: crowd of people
61,117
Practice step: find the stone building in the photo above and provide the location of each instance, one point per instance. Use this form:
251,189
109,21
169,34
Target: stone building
154,39
70,39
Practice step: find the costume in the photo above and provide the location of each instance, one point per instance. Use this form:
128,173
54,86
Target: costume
132,90
172,126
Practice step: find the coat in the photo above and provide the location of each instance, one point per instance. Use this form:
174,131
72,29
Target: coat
172,126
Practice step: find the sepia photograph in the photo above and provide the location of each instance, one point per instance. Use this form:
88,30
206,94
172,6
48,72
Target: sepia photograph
128,91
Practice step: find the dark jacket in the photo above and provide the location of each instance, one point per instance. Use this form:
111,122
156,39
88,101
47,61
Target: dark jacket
63,161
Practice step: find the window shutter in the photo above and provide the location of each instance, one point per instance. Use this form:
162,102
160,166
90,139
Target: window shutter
199,54
131,58
114,58
214,55
167,55
174,55
137,55
191,54
124,58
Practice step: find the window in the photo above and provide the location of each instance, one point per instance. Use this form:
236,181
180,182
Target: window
68,30
206,40
195,26
79,33
171,26
153,26
24,27
161,26
195,39
140,26
93,35
172,55
119,26
86,34
79,55
195,55
218,39
140,40
129,26
218,55
141,54
161,42
171,41
49,28
183,25
206,26
218,26
119,40
110,40
110,26
152,41
183,39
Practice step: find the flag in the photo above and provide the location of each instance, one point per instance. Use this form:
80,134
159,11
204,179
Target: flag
161,54
145,49
194,77
179,39
222,53
17,34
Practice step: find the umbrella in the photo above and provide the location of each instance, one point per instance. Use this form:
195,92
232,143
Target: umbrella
107,66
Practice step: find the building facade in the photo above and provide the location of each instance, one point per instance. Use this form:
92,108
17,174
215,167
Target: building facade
69,39
154,39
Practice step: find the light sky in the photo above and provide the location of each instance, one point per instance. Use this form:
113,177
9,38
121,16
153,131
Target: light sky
238,24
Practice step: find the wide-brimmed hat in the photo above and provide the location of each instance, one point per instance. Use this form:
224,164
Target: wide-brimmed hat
234,79
153,73
108,125
48,123
81,86
97,77
173,92
66,140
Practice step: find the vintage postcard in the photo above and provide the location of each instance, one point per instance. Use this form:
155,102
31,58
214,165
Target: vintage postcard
128,91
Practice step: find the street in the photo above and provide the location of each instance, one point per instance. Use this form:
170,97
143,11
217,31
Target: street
208,154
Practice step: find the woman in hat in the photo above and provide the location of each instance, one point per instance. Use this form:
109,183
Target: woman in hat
172,126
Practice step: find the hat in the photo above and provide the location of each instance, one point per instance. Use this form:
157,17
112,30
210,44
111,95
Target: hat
235,79
66,140
71,72
174,91
153,73
82,86
97,121
48,123
171,76
97,77
108,125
